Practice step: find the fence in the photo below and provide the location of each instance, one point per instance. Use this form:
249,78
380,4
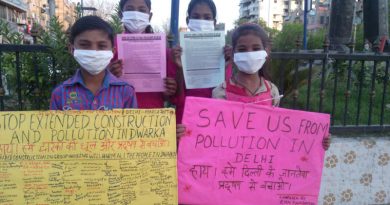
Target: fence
28,73
352,87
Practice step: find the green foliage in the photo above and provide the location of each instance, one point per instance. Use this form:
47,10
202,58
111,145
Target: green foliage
9,36
316,39
58,43
286,39
361,79
116,21
359,42
40,72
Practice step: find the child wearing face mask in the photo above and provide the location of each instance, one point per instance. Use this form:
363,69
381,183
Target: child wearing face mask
93,87
201,16
136,16
251,83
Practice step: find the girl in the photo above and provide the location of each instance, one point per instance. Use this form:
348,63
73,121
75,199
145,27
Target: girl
201,16
251,83
136,16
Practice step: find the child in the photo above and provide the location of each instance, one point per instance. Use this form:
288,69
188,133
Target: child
251,82
92,87
201,16
136,15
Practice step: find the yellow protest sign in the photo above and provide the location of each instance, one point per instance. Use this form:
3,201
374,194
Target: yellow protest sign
88,157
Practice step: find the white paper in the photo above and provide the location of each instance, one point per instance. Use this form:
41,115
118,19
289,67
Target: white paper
203,59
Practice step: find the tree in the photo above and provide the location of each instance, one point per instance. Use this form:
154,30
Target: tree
104,8
115,21
285,40
271,32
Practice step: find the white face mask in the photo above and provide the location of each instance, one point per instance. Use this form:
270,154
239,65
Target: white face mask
250,62
135,22
200,25
94,62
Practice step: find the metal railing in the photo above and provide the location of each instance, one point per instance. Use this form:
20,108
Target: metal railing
21,86
352,87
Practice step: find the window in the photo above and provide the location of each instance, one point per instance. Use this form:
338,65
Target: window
3,12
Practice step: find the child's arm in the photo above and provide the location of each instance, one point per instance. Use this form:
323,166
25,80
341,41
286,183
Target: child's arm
228,52
275,95
180,131
170,87
176,53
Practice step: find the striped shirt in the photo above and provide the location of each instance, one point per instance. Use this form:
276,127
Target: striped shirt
74,95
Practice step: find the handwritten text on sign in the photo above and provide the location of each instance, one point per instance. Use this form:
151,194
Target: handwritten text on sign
247,154
88,157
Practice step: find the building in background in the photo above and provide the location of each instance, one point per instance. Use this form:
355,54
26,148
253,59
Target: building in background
293,10
14,12
269,11
277,12
66,13
319,16
37,13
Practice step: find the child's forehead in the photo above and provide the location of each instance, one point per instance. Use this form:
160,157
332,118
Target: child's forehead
201,7
249,37
136,2
93,34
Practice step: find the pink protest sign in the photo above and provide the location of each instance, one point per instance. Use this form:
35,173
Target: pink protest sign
236,153
144,60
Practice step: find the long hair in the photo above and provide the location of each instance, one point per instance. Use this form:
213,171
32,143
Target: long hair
254,29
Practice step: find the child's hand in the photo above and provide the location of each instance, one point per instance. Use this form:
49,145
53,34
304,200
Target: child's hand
176,55
180,131
227,51
170,87
326,142
116,68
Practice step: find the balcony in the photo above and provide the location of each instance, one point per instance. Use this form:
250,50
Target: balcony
17,4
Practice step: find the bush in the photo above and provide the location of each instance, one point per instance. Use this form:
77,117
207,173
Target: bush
40,72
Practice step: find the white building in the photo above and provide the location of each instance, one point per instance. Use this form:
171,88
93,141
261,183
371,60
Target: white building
270,11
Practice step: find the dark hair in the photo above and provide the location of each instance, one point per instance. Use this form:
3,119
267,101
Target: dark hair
148,3
123,2
88,23
254,29
210,3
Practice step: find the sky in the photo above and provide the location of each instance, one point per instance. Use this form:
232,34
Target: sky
227,11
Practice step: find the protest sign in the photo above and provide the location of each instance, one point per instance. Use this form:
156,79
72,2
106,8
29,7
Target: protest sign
235,153
144,60
88,157
203,59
